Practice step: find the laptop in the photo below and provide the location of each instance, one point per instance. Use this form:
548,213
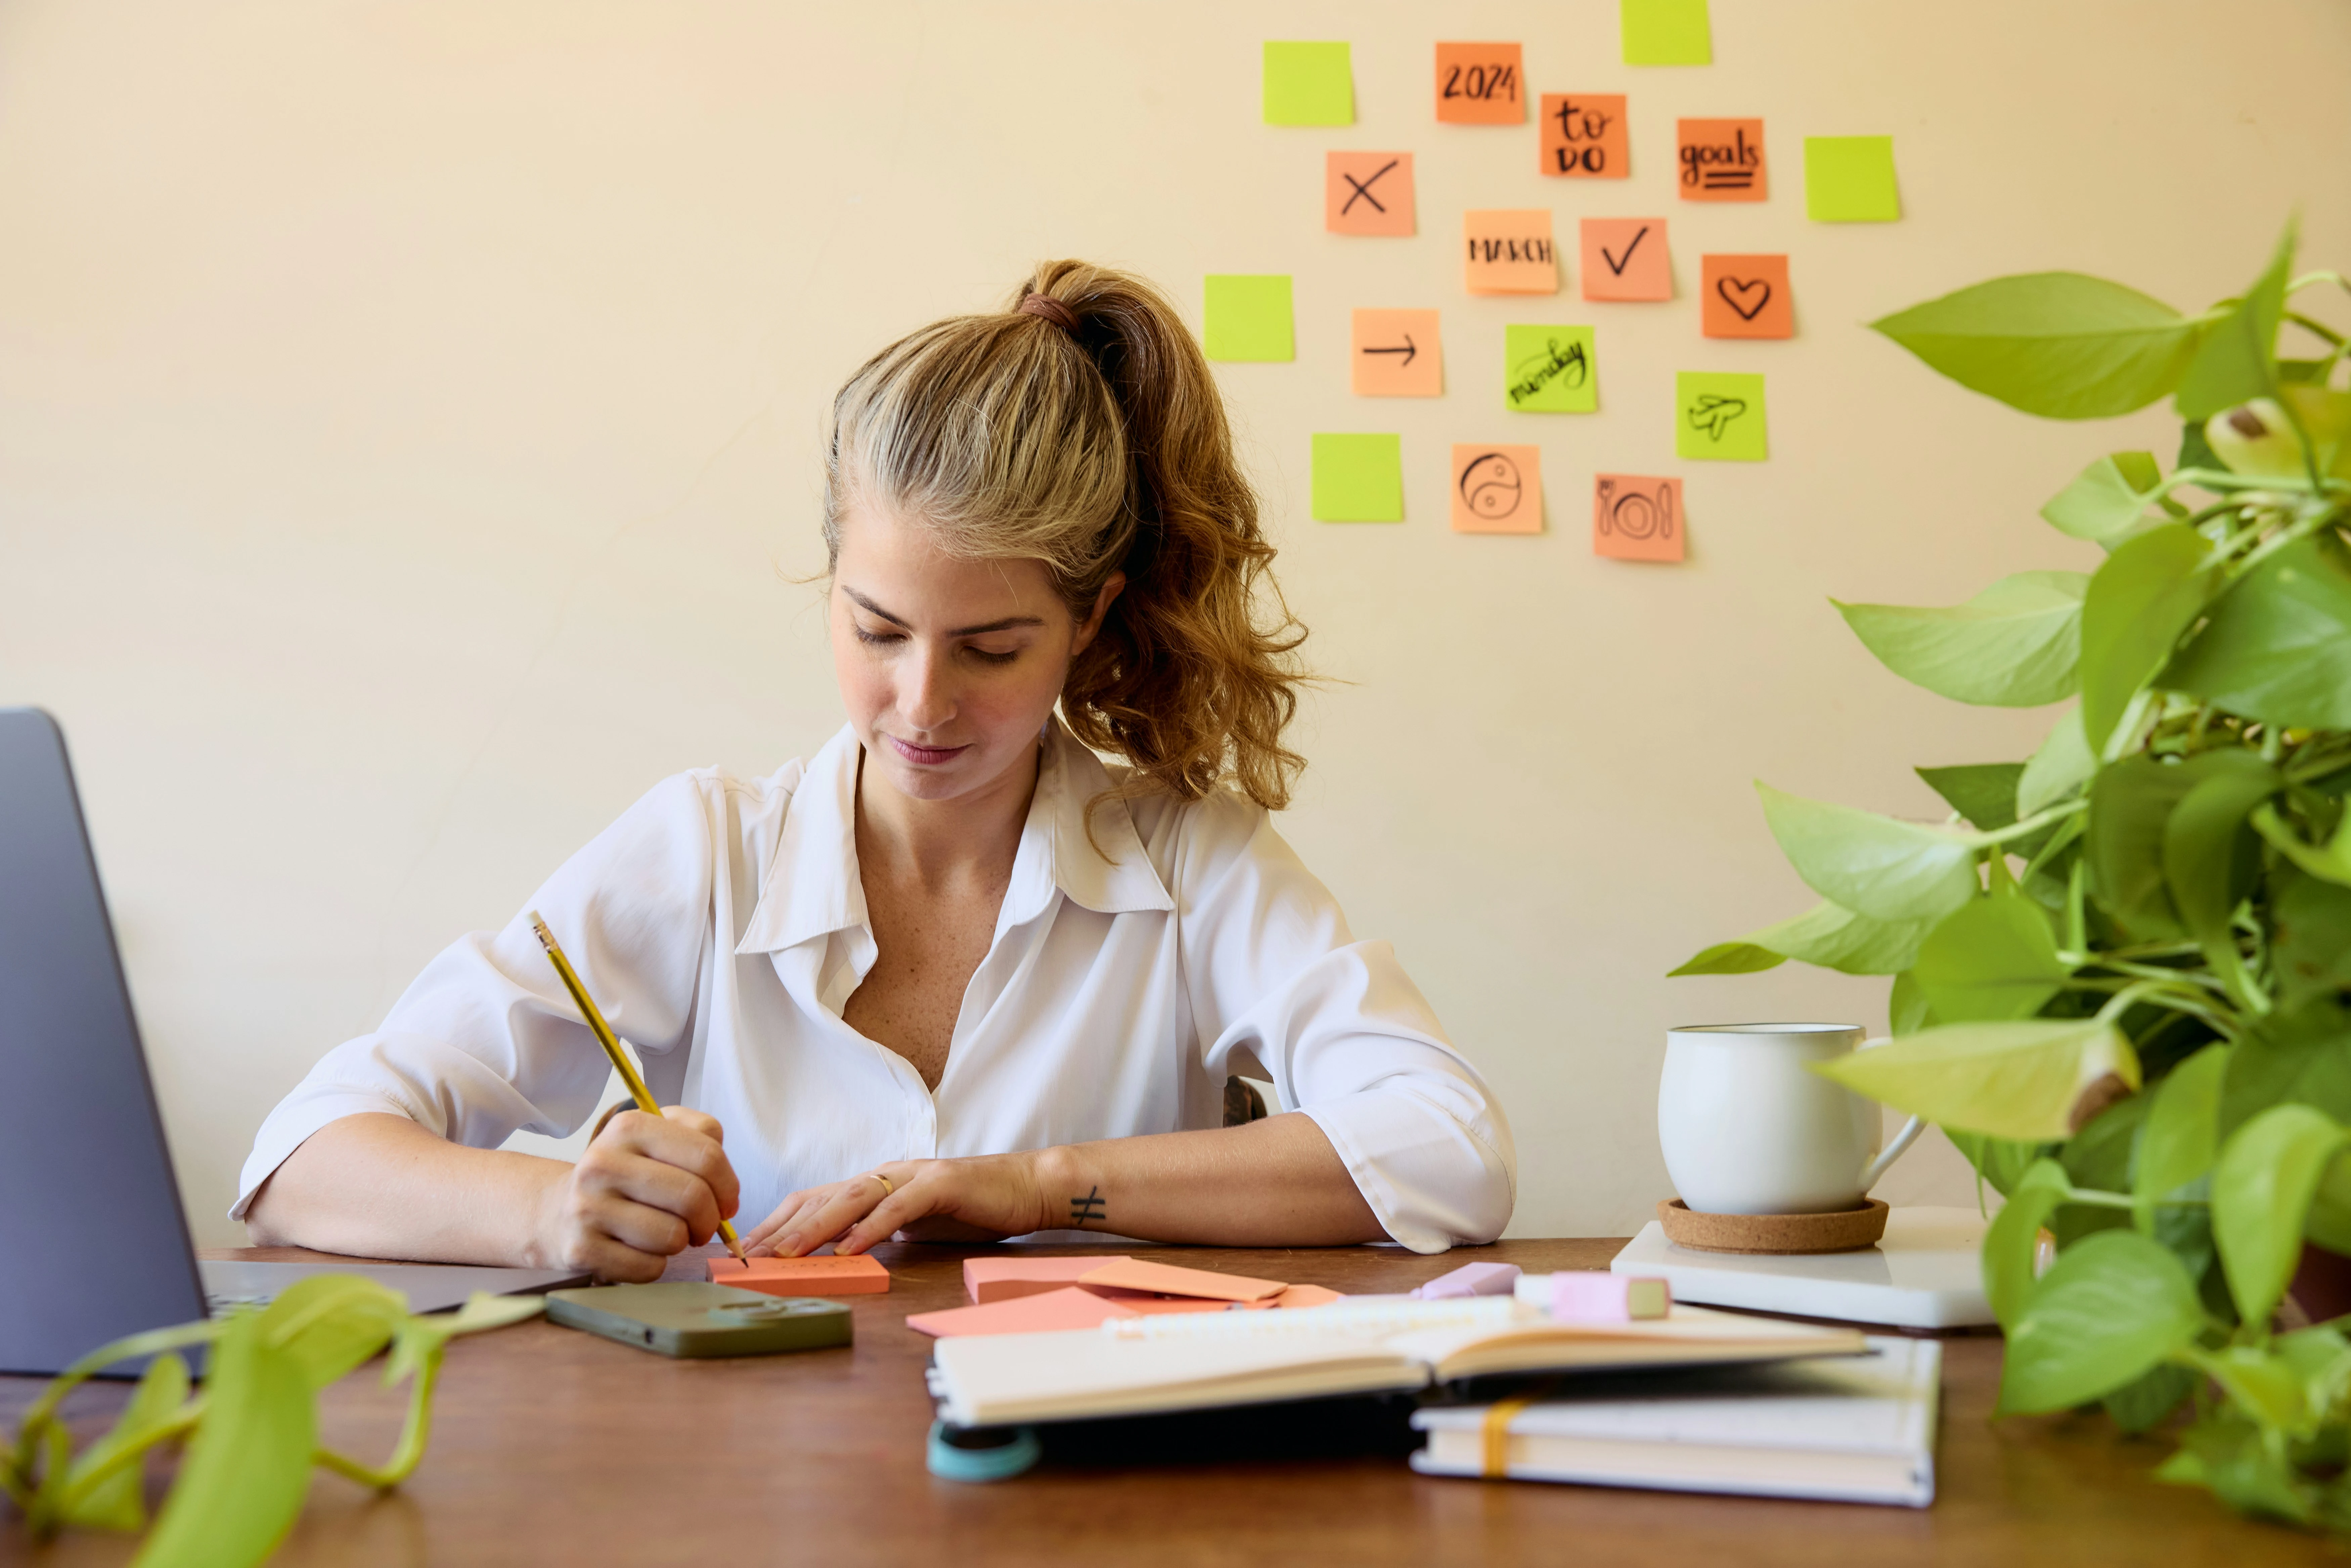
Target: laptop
93,1242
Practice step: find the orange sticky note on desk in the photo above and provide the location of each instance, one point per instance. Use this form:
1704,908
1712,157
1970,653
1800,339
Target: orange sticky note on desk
1626,258
989,1280
1480,84
1067,1308
1166,1279
1509,252
1721,160
1637,516
1396,354
1367,194
1583,136
814,1276
1497,489
1746,297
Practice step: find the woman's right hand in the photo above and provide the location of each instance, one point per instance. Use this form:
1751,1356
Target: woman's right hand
647,1188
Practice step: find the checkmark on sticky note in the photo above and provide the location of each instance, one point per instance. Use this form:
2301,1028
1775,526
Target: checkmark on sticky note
1246,315
1308,84
1665,32
1358,478
1626,258
1549,370
1850,180
1718,417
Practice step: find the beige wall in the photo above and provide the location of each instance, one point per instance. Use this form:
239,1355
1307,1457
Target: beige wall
408,415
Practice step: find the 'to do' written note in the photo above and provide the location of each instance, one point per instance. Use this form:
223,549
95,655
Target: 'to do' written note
1497,489
1479,84
1721,160
1583,136
1509,252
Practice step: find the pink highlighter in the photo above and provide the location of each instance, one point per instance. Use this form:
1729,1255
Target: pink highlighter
1470,1279
1587,1296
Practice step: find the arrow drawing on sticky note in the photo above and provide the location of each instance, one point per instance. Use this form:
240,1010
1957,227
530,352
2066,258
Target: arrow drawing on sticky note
1617,265
1407,351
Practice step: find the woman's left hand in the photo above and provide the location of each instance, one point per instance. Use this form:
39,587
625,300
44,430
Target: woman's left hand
982,1200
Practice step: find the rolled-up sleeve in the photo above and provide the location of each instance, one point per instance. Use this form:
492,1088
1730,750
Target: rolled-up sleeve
487,1042
1270,969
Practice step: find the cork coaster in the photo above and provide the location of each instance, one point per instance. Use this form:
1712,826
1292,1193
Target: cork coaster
1845,1230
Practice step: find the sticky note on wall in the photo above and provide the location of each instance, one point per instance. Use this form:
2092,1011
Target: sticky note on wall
1665,32
1510,252
1721,160
1549,370
1746,297
1367,194
1358,478
1850,180
1625,258
1246,315
1584,137
1497,489
1718,417
1480,84
1396,354
1637,516
1308,84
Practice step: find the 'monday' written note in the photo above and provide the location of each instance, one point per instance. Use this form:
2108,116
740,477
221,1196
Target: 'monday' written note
1549,370
1509,252
1479,84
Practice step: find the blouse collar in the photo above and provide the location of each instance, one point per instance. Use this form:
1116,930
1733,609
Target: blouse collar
813,888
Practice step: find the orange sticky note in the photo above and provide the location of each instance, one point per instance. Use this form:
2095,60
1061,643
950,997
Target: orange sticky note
1746,297
1721,160
1626,258
1583,136
1302,1296
1067,1308
1166,1279
1510,252
1497,489
1396,354
1479,84
814,1276
1002,1278
1367,194
1636,517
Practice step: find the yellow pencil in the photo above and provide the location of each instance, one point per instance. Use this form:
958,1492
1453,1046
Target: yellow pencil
611,1044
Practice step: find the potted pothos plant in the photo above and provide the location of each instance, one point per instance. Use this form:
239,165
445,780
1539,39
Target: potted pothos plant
2122,968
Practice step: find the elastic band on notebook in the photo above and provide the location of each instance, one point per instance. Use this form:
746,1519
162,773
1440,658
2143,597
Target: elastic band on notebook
1496,1430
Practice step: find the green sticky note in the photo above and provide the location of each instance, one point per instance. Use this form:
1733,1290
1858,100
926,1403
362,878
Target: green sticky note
1850,180
1549,370
1308,84
1247,317
1359,478
1718,417
1665,32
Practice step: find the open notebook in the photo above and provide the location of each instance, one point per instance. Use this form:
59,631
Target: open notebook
1364,1345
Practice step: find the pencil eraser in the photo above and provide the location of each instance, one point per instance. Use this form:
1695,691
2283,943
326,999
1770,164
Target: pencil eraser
1583,1295
857,1275
1470,1279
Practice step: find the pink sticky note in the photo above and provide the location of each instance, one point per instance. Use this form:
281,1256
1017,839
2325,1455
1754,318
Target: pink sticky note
1302,1296
1626,258
1367,194
1509,252
1582,1296
1001,1279
1638,517
1471,1280
1166,1279
814,1276
1067,1308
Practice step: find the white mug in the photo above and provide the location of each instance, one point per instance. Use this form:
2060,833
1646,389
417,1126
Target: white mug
1746,1129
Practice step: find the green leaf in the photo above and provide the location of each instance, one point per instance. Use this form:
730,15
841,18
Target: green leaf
2211,859
2310,941
2063,765
2013,645
2298,1056
1983,793
1871,864
1832,938
2013,1238
2112,1305
2008,1079
329,1324
2237,359
248,1464
1906,1006
2261,1384
2182,1131
1993,957
2262,1190
116,1503
2059,344
422,1340
2329,863
2001,1162
2131,803
2195,452
2147,593
1729,958
2139,1407
2227,1452
2106,499
2278,644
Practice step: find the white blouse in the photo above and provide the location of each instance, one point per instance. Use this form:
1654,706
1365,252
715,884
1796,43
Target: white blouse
721,925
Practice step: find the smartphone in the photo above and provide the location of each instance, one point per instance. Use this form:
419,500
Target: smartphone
688,1318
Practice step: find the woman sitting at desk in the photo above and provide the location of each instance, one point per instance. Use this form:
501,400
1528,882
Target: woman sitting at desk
953,977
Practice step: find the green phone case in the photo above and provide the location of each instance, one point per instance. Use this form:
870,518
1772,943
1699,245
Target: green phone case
688,1318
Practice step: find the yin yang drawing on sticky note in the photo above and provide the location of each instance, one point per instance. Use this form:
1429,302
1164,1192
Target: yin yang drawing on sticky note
1638,517
1497,489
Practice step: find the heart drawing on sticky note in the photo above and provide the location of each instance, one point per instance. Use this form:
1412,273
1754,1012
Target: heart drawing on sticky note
1735,291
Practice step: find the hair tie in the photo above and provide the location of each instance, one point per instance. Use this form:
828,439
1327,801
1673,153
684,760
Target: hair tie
1052,310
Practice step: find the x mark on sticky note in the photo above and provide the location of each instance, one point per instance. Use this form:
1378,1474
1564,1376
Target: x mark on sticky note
1367,194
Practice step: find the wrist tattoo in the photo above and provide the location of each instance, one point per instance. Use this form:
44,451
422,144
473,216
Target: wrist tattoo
1094,1206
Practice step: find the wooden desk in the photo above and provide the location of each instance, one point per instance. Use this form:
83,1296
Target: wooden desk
553,1446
